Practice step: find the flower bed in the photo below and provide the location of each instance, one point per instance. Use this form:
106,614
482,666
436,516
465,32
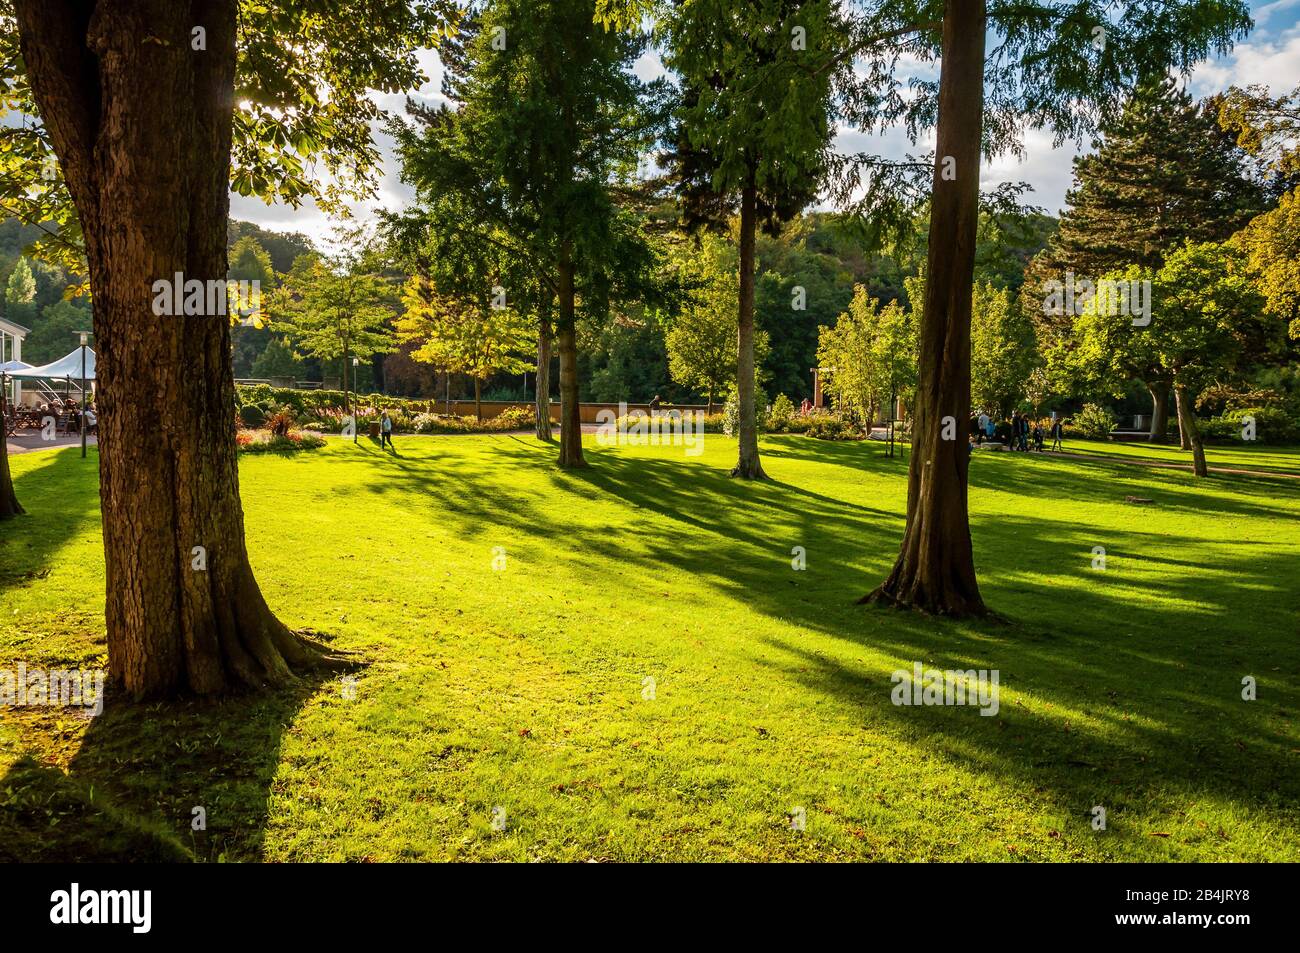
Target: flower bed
263,441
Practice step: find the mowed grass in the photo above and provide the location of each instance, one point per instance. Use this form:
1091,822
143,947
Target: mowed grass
520,691
1243,456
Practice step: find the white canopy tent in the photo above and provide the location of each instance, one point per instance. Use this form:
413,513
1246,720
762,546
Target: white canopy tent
78,365
67,367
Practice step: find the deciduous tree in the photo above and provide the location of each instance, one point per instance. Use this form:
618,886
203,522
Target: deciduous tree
702,339
144,103
464,335
752,131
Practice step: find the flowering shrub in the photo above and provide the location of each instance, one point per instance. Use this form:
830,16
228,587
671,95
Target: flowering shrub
263,441
1093,421
781,415
281,422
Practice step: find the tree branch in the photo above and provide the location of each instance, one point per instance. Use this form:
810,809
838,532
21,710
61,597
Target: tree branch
64,79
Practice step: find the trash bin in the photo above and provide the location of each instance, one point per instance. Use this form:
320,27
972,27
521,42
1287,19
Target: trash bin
374,430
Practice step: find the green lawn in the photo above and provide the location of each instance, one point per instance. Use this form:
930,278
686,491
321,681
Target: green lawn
522,689
1242,456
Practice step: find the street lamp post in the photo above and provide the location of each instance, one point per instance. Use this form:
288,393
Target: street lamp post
84,338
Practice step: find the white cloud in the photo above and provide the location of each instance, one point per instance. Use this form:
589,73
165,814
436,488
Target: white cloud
1265,13
1272,62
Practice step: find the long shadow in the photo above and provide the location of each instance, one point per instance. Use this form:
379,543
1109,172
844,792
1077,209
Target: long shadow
123,785
1156,670
1107,481
1115,692
61,496
140,771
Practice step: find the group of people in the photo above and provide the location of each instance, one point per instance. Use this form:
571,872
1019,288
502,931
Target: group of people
59,407
1018,433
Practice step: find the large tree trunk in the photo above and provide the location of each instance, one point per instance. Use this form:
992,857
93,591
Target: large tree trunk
1159,391
9,506
543,382
1191,433
935,571
141,124
478,399
567,337
748,466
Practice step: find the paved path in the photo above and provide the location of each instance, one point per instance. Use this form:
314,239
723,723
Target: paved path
29,440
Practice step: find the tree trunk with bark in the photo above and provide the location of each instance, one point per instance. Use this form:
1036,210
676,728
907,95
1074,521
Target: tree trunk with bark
141,124
543,382
478,399
9,505
1190,432
935,571
748,467
1184,436
567,338
1159,391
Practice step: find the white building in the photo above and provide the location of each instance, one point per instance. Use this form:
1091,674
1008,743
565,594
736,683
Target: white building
11,349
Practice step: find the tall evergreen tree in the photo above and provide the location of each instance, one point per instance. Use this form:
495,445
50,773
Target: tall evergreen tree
526,171
1162,173
20,294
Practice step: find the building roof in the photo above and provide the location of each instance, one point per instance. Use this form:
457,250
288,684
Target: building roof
15,329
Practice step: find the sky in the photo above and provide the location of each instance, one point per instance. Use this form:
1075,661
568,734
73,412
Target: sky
1269,56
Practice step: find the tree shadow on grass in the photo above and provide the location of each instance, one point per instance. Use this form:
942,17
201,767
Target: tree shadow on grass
1153,659
139,771
123,785
61,497
1122,688
1054,478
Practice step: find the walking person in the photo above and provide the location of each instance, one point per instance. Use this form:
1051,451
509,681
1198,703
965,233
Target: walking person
386,432
1056,434
984,426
